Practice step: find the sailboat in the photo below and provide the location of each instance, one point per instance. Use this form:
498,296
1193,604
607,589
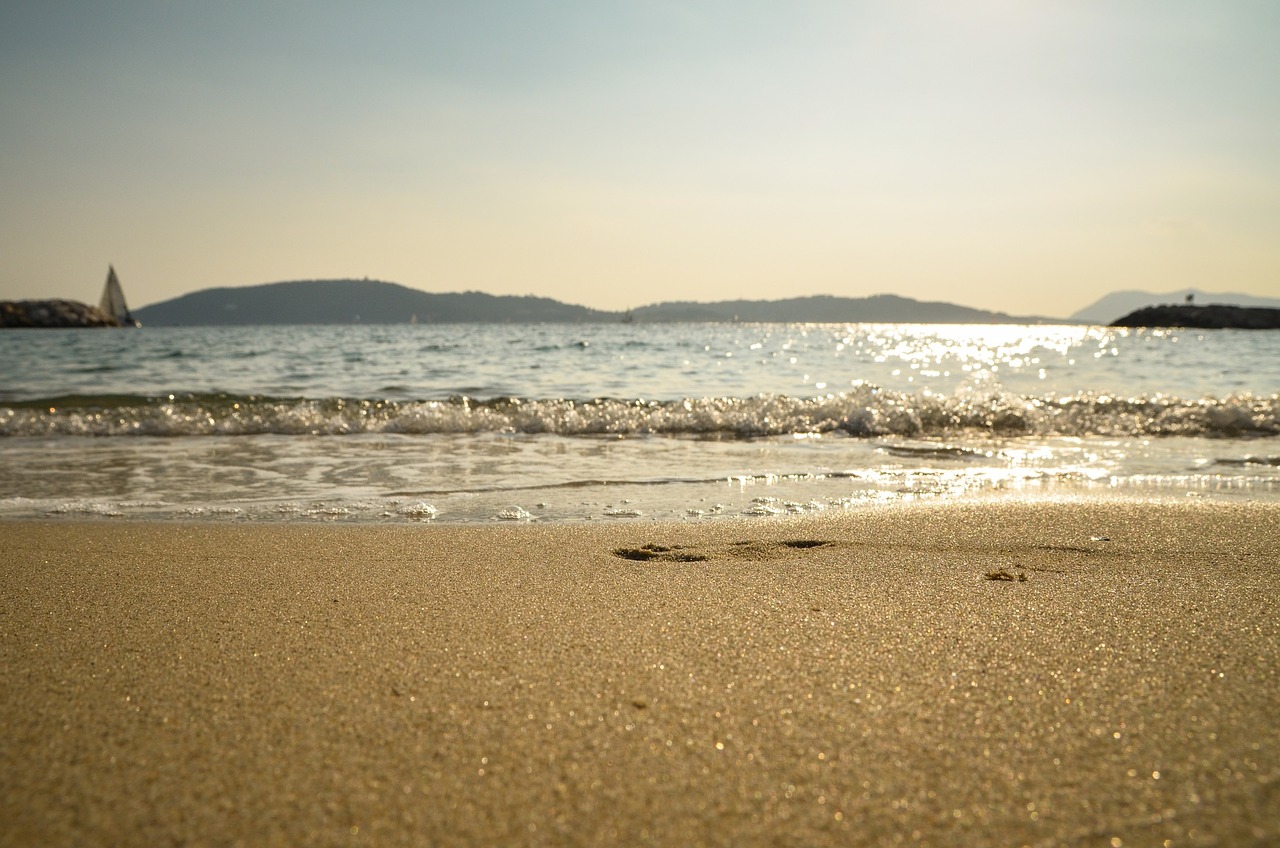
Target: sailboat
113,303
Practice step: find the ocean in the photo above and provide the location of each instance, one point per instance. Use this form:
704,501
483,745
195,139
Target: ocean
565,423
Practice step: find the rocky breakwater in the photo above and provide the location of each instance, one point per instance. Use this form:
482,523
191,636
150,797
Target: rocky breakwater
52,314
1209,317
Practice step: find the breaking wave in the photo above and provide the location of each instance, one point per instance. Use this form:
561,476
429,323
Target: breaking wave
866,411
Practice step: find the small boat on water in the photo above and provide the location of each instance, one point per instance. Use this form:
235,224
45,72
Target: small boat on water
113,303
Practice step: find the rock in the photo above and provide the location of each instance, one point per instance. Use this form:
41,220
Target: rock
1213,316
52,314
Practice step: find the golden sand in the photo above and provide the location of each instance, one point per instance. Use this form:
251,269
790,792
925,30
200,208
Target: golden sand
985,675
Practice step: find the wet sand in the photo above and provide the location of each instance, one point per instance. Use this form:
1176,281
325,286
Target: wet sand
992,674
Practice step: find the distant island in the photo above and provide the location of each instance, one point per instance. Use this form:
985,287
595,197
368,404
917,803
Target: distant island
377,302
1214,316
880,308
353,302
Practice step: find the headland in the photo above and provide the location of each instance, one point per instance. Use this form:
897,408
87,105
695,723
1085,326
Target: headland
1208,317
52,314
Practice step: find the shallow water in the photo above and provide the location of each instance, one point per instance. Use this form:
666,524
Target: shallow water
586,422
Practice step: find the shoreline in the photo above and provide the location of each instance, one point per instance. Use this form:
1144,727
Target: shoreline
621,504
866,676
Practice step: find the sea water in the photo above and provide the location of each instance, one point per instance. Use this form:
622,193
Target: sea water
558,422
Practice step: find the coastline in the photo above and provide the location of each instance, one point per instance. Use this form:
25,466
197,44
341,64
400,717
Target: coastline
866,675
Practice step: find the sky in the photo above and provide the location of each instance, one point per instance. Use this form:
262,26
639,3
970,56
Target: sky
1015,155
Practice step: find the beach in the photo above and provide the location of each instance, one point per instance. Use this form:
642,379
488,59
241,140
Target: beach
985,673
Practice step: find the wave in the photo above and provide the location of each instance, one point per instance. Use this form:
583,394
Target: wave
867,411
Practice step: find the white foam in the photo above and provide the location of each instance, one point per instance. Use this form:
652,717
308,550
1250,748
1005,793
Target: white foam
514,513
419,510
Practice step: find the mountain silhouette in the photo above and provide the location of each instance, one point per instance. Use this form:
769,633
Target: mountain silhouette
353,302
377,302
880,308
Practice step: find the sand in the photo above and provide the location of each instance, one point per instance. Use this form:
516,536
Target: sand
991,674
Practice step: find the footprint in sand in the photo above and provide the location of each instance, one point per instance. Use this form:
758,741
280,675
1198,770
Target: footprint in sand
661,553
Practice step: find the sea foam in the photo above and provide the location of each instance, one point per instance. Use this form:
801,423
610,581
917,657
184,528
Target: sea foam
865,411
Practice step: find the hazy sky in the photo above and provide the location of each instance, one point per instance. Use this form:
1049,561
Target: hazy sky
1008,154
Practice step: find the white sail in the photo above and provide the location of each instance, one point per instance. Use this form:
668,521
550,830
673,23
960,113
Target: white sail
112,301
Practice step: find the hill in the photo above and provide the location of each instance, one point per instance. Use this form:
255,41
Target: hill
1110,307
880,308
354,302
376,302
